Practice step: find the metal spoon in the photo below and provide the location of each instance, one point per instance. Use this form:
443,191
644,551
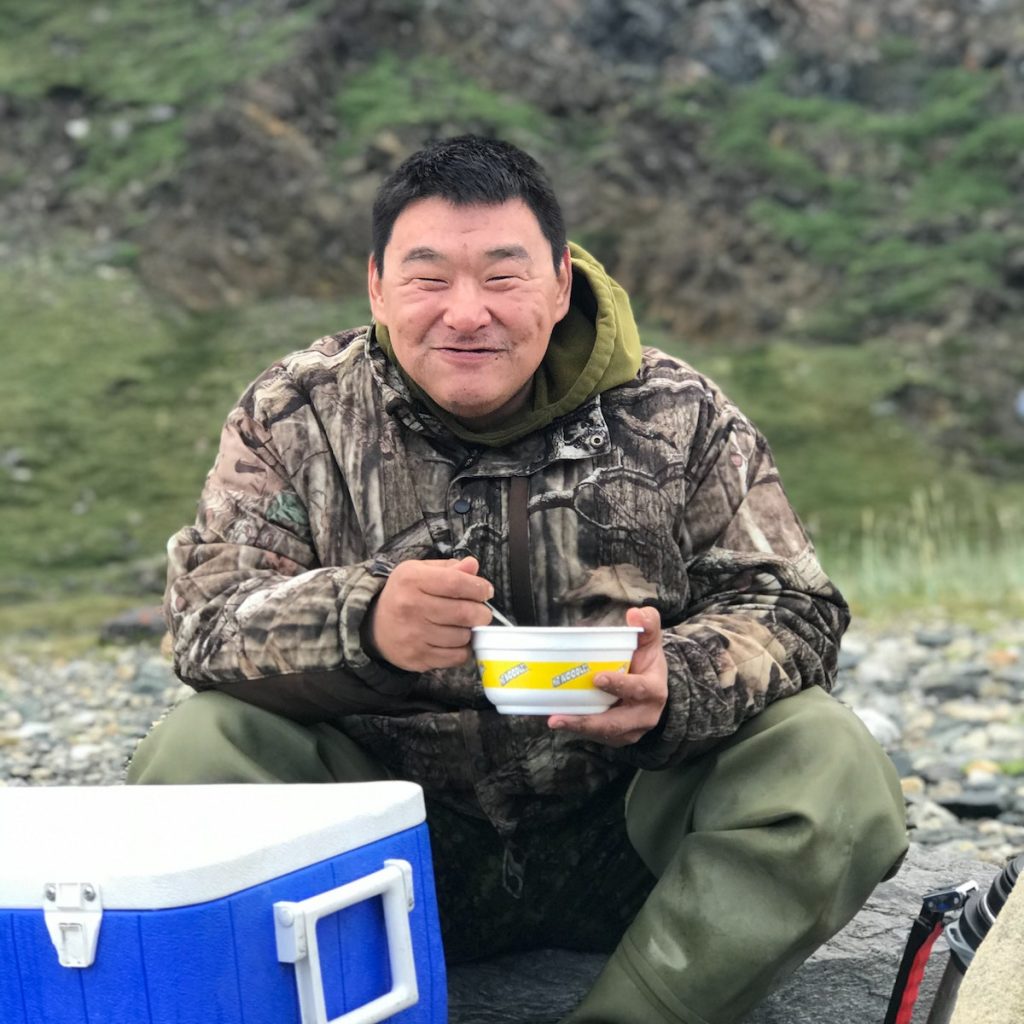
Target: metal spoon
385,570
501,618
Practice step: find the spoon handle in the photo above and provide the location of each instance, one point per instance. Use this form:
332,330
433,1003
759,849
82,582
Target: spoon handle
501,618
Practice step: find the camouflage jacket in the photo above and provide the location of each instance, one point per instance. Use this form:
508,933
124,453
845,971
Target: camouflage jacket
656,491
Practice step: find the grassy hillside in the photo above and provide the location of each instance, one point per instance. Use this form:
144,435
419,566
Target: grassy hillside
865,191
901,525
139,66
114,408
859,253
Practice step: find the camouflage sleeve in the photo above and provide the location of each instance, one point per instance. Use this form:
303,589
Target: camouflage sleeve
250,608
763,620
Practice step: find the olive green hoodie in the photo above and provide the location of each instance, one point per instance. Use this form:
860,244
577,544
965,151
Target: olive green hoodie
595,346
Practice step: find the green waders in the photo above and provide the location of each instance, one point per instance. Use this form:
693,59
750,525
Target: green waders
756,852
763,849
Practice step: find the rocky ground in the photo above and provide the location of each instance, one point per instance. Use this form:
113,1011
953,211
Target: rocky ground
946,701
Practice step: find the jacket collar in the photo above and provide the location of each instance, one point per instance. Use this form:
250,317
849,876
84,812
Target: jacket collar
581,434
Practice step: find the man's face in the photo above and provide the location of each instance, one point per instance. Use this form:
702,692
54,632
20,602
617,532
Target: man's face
469,295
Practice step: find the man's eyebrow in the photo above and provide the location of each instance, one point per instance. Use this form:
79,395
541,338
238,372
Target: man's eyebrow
422,253
508,252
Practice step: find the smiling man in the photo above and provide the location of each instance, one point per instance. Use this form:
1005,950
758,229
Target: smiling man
498,432
470,321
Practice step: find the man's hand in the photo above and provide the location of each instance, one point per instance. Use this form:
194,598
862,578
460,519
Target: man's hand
423,615
642,691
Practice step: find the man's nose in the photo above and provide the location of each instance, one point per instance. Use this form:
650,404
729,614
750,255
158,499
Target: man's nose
466,309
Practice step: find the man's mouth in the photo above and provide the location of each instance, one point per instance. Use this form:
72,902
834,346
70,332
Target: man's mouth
469,344
469,350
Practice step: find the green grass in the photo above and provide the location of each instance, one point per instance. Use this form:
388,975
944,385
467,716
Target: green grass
822,410
72,619
113,405
140,51
151,152
897,526
128,57
963,552
113,412
897,221
432,94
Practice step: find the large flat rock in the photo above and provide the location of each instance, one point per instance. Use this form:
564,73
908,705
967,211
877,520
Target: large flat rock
848,979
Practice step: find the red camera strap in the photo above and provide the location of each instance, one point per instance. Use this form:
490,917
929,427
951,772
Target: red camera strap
908,981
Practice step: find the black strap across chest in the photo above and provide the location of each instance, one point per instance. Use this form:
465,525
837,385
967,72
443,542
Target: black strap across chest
523,610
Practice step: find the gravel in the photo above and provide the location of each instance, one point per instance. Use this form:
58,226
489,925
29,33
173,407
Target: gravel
945,700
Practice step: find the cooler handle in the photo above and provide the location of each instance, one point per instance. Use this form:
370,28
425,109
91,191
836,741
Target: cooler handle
295,927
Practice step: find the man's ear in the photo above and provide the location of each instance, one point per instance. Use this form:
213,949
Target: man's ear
375,290
564,283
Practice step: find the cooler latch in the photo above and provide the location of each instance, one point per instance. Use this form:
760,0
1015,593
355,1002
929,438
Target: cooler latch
73,912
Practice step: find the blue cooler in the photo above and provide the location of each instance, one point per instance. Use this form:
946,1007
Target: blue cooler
218,905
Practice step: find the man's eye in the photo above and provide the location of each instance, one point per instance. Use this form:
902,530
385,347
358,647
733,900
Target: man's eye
433,281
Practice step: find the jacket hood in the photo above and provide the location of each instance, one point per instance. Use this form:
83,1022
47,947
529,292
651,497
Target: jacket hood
594,347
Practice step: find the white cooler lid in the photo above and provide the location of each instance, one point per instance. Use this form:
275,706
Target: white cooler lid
152,847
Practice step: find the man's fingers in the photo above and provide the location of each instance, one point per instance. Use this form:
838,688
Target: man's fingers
448,581
624,685
633,689
449,637
445,657
641,692
440,612
424,613
616,727
591,725
640,703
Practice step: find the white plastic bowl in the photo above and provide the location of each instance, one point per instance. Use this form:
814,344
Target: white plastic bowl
546,670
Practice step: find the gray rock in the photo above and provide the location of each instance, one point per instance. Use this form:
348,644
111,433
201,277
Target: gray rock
1012,674
955,837
936,637
983,802
881,726
948,732
949,682
903,762
848,979
937,770
851,977
154,676
538,987
850,656
30,730
134,626
886,667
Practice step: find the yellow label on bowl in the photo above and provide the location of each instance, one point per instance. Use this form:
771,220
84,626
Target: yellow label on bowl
546,675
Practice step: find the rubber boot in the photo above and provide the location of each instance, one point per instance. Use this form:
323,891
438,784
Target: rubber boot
763,849
212,737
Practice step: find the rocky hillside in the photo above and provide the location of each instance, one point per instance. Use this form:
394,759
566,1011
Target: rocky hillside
817,176
829,171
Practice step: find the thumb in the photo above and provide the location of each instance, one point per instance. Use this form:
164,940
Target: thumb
649,620
468,565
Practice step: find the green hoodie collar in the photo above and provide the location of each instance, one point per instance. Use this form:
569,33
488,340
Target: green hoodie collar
594,347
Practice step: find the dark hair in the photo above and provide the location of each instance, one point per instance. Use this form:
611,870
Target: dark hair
464,171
